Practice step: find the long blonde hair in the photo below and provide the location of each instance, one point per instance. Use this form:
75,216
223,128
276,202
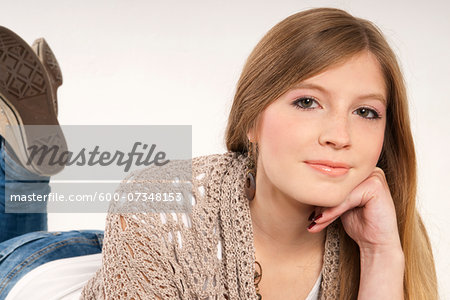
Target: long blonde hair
303,45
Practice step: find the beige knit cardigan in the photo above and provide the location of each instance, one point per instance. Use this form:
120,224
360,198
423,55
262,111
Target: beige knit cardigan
207,253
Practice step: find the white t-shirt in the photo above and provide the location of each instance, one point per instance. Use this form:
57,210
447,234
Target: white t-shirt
314,293
58,279
65,279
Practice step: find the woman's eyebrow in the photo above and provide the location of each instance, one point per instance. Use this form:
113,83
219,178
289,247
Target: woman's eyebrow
313,86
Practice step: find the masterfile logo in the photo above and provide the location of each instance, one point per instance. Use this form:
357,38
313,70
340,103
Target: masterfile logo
120,167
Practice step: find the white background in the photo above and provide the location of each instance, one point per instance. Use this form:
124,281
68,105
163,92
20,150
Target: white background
178,62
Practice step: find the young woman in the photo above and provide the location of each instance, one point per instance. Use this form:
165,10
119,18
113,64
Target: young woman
315,197
321,117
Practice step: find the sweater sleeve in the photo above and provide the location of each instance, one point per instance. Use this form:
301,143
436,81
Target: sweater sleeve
133,262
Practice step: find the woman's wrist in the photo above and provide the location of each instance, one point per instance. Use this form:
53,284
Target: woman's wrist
394,251
382,272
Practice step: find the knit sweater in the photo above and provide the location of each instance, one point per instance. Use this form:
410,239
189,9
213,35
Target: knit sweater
207,253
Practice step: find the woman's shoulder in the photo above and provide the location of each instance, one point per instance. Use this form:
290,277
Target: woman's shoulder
200,170
185,239
203,195
217,160
206,168
197,181
199,164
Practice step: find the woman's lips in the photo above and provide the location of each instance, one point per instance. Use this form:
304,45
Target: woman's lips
329,170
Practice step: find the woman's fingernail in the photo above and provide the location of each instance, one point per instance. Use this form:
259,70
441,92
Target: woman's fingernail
317,218
311,225
311,217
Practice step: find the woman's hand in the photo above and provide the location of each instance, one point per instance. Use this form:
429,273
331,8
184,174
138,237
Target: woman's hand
368,216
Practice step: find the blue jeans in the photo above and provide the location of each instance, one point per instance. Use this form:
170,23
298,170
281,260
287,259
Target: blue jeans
14,224
24,242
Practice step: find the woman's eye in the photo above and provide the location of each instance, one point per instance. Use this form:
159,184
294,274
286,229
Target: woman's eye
367,113
305,103
311,103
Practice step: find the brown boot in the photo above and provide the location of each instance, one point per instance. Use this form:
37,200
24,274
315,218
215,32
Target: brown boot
28,97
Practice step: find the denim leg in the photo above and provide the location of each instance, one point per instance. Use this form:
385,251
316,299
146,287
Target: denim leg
23,253
18,182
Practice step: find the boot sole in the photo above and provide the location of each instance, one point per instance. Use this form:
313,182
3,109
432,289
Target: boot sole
48,59
27,99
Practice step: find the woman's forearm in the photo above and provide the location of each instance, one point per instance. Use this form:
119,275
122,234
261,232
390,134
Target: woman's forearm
382,274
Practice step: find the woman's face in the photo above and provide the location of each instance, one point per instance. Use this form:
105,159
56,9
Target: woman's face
338,115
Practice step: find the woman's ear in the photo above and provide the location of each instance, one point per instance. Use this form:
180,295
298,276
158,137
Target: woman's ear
251,135
252,132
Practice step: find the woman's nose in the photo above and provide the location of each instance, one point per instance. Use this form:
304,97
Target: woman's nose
335,132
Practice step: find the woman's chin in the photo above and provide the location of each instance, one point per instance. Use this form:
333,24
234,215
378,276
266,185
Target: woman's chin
323,200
